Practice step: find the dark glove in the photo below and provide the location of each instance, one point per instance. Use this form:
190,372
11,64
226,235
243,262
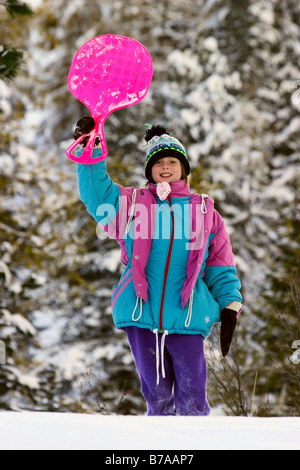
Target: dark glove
85,125
228,325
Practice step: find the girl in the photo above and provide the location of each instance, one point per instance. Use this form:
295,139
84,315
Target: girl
180,276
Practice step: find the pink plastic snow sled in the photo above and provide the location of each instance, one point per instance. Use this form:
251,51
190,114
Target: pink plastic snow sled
108,73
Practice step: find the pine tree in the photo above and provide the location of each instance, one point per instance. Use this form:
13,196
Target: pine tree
223,75
16,8
235,105
10,57
10,63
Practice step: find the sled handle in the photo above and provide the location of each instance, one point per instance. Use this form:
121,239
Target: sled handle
86,156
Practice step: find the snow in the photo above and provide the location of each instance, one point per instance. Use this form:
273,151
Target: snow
4,268
17,320
7,166
24,379
186,63
56,431
34,3
211,44
236,108
264,12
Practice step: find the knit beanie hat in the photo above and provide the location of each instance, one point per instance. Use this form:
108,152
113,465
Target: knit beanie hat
161,144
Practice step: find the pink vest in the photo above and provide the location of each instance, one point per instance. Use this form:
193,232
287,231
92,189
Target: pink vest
139,206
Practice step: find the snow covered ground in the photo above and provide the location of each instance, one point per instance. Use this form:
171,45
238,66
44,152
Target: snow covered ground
58,431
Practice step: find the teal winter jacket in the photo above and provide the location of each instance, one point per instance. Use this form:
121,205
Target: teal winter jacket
179,266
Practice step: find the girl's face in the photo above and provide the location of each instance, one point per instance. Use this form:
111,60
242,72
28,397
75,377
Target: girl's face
166,169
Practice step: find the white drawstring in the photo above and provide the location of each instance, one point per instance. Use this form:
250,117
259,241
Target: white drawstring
203,205
157,356
136,306
163,353
163,339
190,311
132,210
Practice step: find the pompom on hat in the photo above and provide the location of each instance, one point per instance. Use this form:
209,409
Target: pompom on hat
161,144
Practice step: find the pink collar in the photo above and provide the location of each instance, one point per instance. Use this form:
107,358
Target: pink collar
178,189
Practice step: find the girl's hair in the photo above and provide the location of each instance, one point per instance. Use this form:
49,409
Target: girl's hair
184,176
85,125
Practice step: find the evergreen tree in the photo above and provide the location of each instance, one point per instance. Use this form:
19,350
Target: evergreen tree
10,62
235,105
10,57
16,8
223,82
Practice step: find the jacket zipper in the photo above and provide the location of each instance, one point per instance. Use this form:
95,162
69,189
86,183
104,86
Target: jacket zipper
166,268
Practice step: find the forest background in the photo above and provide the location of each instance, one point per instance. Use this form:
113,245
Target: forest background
227,83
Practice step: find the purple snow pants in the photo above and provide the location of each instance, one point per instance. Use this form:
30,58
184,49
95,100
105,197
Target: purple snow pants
183,390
